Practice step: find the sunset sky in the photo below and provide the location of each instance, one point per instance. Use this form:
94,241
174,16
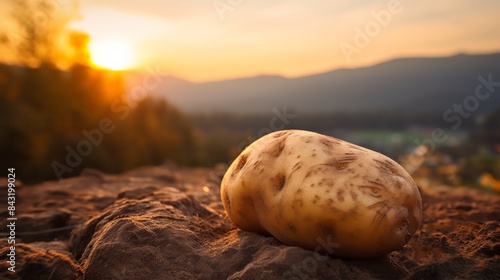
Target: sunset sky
195,40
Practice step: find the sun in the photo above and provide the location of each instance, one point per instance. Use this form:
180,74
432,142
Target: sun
112,55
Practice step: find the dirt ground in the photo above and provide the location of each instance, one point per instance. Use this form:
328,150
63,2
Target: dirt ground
166,222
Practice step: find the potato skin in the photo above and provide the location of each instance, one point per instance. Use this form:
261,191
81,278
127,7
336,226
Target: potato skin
305,188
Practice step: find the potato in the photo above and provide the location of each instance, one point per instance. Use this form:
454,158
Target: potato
308,189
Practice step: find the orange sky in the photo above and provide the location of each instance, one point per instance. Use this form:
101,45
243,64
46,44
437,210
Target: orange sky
197,41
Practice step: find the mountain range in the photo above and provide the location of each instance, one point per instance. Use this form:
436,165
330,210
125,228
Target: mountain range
420,85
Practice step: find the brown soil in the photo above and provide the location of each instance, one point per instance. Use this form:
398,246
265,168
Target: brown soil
169,223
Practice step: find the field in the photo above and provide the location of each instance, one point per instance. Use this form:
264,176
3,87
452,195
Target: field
167,222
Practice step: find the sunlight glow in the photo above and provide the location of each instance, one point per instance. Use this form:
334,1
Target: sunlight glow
112,55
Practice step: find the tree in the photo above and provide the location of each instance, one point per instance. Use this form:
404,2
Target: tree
50,101
44,107
40,33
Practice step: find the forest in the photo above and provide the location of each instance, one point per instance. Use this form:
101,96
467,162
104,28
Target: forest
58,114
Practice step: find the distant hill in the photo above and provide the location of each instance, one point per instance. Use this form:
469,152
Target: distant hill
406,84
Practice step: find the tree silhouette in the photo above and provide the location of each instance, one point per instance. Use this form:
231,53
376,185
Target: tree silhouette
40,33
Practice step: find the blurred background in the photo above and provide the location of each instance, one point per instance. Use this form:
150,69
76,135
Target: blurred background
114,85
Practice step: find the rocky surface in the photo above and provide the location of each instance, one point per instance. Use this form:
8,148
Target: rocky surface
168,223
